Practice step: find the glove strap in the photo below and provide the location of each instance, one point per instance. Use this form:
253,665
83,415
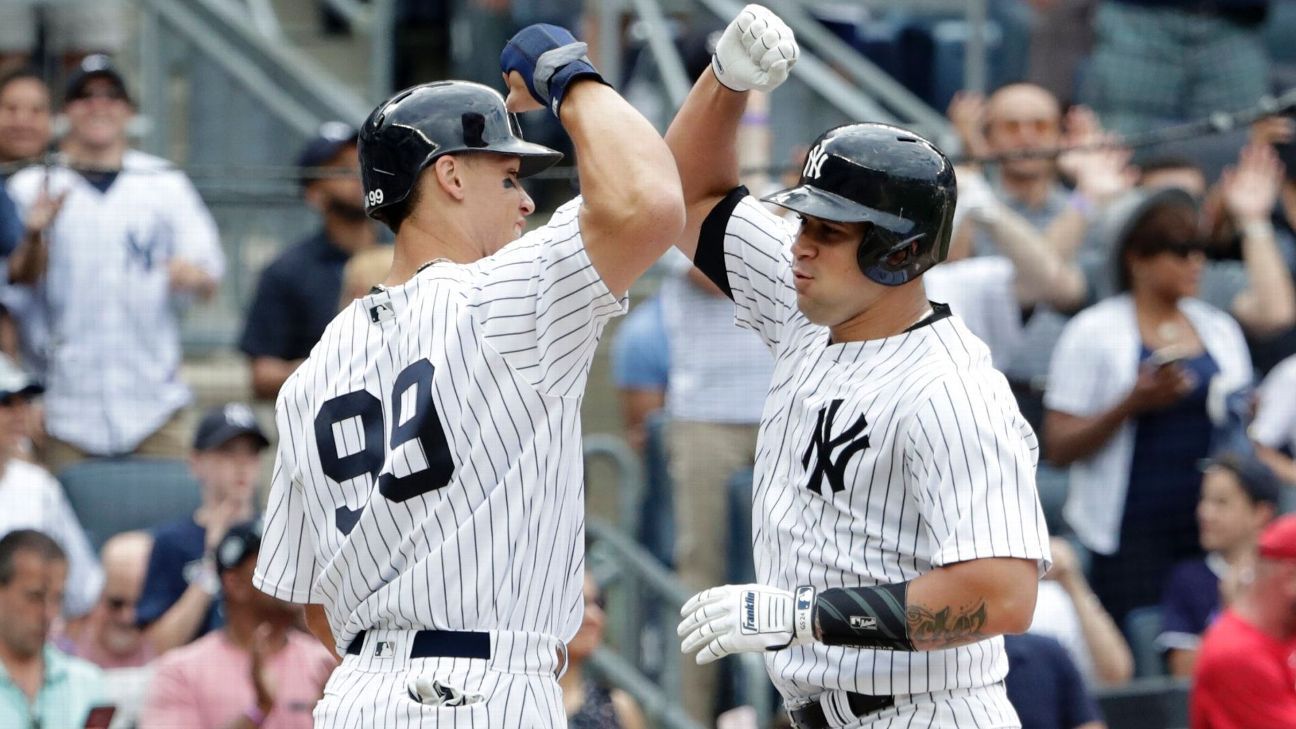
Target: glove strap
803,615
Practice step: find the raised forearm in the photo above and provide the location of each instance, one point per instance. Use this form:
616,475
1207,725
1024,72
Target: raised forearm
1113,662
28,261
1041,274
704,138
178,625
632,208
1268,305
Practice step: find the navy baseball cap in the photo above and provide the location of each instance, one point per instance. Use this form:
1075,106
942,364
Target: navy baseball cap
14,381
223,423
239,543
1257,480
93,67
331,138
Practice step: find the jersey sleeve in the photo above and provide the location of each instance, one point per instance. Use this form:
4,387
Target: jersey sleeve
85,575
1079,370
286,565
1179,629
747,251
196,238
542,306
1275,421
972,456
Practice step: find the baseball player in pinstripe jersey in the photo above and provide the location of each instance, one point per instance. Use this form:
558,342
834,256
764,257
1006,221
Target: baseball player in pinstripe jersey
427,503
896,526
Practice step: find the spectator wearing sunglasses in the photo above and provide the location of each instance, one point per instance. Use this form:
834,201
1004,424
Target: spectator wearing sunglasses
117,243
1126,405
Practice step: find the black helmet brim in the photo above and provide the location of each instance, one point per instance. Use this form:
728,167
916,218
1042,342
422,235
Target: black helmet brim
810,200
535,157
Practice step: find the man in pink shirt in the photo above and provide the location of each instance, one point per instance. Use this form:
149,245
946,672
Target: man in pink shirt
1245,676
259,671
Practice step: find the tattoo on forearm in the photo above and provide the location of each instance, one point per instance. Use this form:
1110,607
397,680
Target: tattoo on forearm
946,628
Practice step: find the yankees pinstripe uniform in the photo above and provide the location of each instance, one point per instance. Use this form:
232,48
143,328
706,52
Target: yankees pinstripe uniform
877,462
430,477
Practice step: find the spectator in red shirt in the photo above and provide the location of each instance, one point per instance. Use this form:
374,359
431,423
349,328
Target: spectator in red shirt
1246,670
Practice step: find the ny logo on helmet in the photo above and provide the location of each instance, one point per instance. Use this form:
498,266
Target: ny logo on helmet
814,162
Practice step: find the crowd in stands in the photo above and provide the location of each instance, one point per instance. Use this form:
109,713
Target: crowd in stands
1143,313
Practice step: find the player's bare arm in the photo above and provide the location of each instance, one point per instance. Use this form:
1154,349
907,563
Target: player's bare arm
950,606
317,622
756,51
632,206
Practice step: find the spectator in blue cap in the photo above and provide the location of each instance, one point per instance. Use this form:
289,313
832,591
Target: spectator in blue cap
1239,497
178,601
298,293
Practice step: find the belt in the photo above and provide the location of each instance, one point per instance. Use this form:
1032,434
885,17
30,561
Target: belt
438,644
813,716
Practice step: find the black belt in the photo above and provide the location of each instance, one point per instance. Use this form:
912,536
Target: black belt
811,716
438,644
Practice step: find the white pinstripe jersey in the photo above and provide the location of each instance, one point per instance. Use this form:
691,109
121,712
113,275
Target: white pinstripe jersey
877,461
429,472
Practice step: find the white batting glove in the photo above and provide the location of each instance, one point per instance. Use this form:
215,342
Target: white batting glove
756,51
745,619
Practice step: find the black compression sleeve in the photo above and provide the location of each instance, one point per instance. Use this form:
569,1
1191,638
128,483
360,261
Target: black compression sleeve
709,256
864,617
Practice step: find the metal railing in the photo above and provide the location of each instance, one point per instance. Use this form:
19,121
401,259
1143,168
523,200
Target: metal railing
642,587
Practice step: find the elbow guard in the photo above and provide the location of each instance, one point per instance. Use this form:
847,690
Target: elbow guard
864,617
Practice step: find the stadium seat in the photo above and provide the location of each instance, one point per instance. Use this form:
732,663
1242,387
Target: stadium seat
1142,626
1143,703
113,495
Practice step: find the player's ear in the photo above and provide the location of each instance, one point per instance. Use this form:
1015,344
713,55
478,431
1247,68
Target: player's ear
449,172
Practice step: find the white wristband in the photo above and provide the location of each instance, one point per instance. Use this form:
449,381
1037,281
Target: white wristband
803,615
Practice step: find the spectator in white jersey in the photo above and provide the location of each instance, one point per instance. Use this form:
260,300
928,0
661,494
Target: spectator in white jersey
427,502
30,498
179,602
297,295
111,284
896,528
1127,397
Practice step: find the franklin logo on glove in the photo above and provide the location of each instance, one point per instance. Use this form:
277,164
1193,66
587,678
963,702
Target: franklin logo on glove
749,613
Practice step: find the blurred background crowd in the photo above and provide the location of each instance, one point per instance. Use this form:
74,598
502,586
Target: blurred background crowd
181,216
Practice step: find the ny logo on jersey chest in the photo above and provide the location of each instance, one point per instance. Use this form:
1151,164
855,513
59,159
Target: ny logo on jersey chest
823,443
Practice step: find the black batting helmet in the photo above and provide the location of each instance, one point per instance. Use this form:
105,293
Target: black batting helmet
886,176
410,130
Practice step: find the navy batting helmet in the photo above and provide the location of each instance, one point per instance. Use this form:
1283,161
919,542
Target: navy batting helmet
409,131
886,176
